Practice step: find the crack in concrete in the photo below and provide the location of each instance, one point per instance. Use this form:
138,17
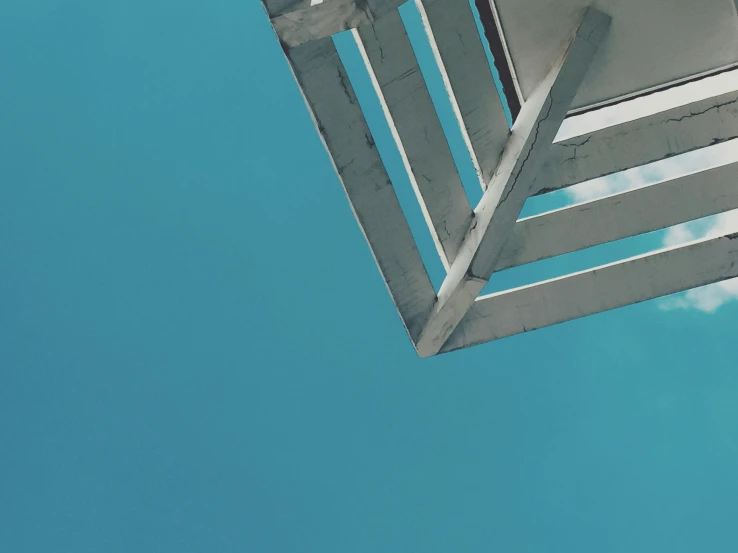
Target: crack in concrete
461,39
379,43
347,165
441,239
403,75
660,122
609,139
717,106
369,140
530,151
572,144
345,86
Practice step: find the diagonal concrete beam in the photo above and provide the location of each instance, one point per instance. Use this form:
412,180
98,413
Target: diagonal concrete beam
608,287
345,133
527,149
653,138
619,216
300,21
460,55
412,118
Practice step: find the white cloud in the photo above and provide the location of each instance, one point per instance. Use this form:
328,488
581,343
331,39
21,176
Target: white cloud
708,298
667,169
612,184
709,227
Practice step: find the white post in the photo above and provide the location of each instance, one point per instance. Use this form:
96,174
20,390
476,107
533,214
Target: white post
459,52
345,133
412,119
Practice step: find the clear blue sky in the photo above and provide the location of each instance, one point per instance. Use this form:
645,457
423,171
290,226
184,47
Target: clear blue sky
185,367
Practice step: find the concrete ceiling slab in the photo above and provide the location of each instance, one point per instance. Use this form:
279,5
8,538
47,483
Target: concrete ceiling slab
651,42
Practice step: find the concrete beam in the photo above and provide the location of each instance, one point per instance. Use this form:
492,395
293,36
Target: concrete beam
407,105
459,52
345,133
618,216
653,138
275,8
608,287
301,21
528,148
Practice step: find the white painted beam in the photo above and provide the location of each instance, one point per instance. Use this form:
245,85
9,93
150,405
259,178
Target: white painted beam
527,149
344,131
298,22
618,216
608,287
653,138
459,52
412,118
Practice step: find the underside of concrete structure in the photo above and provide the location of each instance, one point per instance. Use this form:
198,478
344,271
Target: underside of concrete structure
554,59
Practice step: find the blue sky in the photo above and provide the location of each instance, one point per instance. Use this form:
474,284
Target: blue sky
185,368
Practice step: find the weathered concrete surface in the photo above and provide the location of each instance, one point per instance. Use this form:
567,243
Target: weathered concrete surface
280,7
608,287
660,136
417,132
527,149
474,244
652,42
630,213
344,131
459,51
298,22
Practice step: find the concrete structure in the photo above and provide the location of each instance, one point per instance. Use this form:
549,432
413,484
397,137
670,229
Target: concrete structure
554,59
